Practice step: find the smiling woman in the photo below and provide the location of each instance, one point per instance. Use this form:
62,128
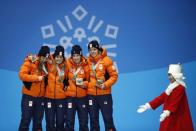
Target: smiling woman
78,79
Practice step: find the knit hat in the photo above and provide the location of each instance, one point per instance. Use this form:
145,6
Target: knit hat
95,44
44,51
59,50
76,49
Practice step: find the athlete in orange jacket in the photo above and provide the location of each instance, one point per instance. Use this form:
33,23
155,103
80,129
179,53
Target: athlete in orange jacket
78,75
55,92
56,75
32,73
103,75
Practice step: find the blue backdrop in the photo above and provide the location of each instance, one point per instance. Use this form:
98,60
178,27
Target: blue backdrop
142,37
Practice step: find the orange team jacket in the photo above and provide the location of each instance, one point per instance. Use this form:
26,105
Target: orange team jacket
29,73
73,90
105,70
55,86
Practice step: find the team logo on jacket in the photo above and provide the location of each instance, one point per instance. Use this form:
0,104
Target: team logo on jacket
100,67
81,71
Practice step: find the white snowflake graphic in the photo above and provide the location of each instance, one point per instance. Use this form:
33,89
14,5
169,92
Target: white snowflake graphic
80,34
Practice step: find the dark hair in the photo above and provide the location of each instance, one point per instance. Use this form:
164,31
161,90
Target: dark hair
95,44
59,49
44,50
76,49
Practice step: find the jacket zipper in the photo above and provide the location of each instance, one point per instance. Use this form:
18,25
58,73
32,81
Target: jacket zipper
96,91
76,90
96,80
55,86
94,71
40,86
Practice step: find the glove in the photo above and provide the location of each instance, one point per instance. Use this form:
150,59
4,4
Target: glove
165,114
143,108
